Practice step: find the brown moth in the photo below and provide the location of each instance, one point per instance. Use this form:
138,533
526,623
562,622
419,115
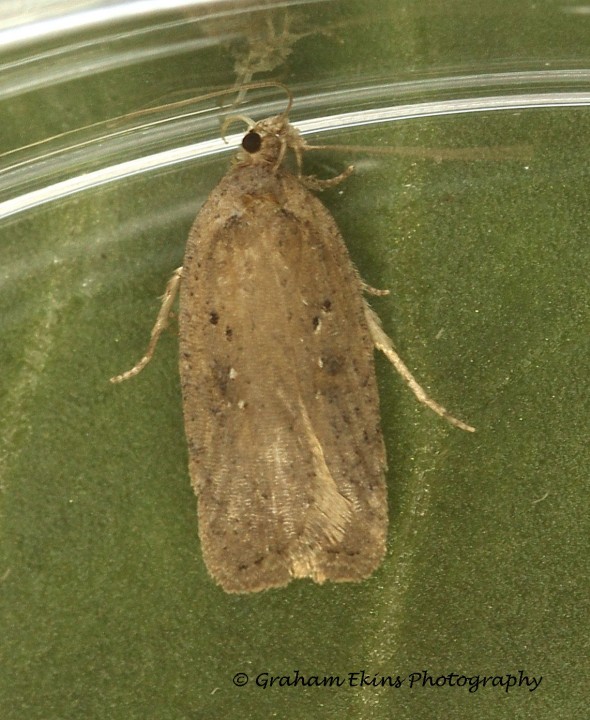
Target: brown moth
281,410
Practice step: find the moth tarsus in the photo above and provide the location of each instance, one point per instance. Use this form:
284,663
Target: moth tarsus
161,324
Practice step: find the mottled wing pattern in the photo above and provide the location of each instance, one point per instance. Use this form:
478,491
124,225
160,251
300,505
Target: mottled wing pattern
280,398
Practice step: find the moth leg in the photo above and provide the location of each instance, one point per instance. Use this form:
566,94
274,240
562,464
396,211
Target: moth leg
373,291
313,183
383,343
161,323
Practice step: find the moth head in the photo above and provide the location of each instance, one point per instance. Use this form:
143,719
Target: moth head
261,146
263,142
267,141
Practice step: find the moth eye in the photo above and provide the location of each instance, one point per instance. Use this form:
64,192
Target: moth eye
252,142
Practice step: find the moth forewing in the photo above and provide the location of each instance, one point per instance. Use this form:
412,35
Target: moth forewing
280,401
280,398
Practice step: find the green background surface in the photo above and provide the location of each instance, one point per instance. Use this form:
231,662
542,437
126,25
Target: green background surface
106,608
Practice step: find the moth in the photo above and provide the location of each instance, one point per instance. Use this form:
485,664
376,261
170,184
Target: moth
281,410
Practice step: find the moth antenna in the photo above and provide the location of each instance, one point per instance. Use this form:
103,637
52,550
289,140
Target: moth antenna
282,152
170,106
218,93
233,118
287,110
